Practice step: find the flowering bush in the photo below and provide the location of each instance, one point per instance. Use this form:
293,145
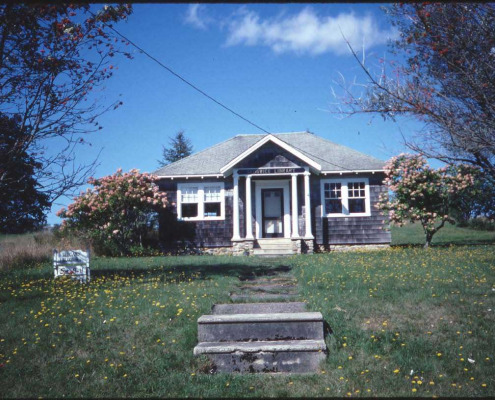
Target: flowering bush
117,214
423,194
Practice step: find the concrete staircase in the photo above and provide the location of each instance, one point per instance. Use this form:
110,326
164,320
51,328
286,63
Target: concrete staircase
273,247
262,337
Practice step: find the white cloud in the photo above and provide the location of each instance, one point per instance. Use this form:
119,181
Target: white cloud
196,16
306,32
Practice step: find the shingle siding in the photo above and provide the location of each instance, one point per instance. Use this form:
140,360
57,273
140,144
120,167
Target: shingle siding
207,233
354,230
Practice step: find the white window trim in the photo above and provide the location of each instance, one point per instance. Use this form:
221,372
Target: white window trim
345,198
201,203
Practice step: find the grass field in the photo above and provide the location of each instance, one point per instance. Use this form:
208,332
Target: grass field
405,322
412,234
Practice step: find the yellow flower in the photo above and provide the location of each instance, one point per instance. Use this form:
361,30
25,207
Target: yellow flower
396,371
414,390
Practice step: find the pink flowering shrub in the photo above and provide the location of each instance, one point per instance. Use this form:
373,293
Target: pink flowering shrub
117,213
423,194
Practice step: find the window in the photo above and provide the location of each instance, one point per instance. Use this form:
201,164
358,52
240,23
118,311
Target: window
213,201
356,197
200,201
189,200
345,197
333,198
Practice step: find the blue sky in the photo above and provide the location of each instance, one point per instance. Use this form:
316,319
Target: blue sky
275,64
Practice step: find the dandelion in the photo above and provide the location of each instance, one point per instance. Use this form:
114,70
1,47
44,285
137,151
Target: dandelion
396,371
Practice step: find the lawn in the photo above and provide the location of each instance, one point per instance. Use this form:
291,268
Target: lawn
404,321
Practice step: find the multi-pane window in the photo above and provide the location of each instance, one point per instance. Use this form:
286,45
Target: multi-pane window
341,197
356,197
200,201
212,201
333,198
189,201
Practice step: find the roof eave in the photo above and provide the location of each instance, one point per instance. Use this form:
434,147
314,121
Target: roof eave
353,171
183,176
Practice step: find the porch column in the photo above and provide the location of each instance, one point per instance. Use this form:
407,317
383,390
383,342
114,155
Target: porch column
249,211
307,207
235,208
295,222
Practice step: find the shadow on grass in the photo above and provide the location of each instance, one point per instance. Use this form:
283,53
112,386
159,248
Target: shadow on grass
199,270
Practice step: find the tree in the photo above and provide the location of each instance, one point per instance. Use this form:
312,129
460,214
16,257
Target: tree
52,57
423,194
446,79
22,205
116,215
180,147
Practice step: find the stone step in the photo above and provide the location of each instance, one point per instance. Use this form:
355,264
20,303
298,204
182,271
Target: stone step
273,240
256,297
253,279
271,245
260,327
296,356
273,252
267,286
259,308
275,289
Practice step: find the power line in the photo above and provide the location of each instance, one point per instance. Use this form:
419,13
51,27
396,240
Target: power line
198,89
181,78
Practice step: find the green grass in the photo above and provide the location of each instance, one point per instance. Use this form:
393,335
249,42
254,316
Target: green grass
412,234
131,332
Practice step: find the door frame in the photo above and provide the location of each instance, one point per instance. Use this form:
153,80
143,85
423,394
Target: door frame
263,218
272,184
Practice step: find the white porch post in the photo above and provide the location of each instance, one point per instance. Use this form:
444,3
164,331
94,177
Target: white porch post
235,206
307,206
295,222
249,211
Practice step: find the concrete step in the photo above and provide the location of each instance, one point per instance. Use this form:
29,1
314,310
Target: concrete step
272,245
297,356
273,251
259,308
260,327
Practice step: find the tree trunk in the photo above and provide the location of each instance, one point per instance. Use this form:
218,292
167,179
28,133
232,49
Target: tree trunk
429,237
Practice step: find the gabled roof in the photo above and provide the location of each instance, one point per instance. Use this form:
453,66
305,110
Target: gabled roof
322,155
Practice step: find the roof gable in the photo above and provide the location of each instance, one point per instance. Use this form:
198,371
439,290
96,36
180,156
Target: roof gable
226,169
328,156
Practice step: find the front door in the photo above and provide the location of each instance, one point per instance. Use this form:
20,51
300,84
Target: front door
272,212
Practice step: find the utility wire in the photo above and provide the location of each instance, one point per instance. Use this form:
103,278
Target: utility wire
199,90
180,77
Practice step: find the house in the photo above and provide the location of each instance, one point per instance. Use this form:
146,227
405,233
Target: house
278,193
